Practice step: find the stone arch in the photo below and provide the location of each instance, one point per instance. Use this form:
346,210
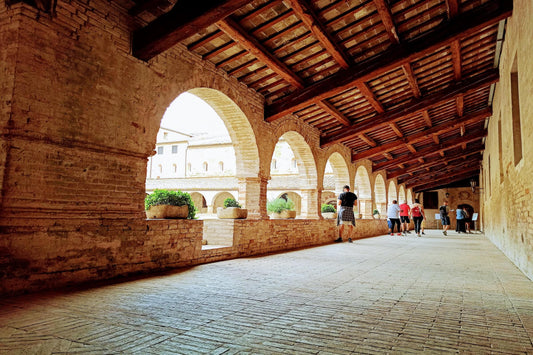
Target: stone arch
340,171
329,197
239,129
199,202
380,194
218,199
296,198
409,197
363,189
401,195
392,192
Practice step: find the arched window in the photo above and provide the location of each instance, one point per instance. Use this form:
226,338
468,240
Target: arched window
174,168
189,167
220,166
274,164
294,164
205,166
160,168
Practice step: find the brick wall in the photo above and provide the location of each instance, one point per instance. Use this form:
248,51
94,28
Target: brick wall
507,187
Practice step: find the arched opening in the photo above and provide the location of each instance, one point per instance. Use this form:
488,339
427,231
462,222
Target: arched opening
392,193
470,225
410,199
329,197
380,195
294,197
218,200
401,195
300,177
364,192
199,202
336,174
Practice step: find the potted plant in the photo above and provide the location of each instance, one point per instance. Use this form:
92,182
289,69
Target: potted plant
376,212
328,211
281,208
232,210
169,204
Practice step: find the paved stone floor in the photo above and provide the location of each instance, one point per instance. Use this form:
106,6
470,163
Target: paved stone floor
380,295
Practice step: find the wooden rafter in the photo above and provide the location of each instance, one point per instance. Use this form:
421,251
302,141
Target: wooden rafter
411,148
186,18
147,6
307,14
444,181
252,45
427,119
460,105
410,75
412,108
332,110
370,97
423,179
396,129
456,59
453,8
460,27
447,126
448,159
368,140
388,22
432,150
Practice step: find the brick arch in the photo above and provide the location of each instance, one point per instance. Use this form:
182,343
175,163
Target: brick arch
239,129
218,199
401,195
392,191
340,171
362,182
409,196
199,201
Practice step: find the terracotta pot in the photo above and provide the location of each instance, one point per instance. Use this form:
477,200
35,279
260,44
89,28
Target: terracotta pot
167,211
283,215
329,215
232,213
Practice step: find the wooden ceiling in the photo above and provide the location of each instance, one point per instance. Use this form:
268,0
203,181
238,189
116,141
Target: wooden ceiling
404,83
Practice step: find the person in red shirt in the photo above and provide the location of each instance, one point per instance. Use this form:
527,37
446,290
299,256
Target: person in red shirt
404,217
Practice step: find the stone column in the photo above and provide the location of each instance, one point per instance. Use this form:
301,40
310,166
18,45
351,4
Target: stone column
382,208
253,196
310,204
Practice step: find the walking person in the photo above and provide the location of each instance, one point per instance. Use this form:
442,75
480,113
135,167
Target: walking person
444,217
393,216
417,212
461,219
404,217
345,216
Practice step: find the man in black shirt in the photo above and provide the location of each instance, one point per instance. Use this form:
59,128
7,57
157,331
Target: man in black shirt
345,216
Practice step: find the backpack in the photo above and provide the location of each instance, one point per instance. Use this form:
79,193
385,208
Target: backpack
416,211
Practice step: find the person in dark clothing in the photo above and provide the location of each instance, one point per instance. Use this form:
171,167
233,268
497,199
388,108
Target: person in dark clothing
345,216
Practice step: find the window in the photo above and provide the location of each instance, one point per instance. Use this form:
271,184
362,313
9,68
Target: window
160,150
189,167
174,149
160,168
165,135
293,163
431,200
515,103
205,166
220,166
174,168
274,164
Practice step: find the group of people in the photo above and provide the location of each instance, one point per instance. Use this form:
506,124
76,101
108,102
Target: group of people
399,216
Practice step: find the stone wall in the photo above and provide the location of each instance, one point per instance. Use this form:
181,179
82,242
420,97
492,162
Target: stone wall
506,183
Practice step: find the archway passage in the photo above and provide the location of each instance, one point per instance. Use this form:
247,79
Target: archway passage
401,195
218,200
470,213
380,194
392,193
339,172
199,202
364,192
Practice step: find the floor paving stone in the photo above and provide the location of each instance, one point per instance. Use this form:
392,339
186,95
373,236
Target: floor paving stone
389,294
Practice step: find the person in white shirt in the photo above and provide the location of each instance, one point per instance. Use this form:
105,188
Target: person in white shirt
393,217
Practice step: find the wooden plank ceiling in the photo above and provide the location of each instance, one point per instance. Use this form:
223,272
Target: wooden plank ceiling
404,83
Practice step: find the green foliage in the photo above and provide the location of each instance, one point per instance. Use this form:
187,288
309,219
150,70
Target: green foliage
173,198
327,208
375,212
230,202
278,205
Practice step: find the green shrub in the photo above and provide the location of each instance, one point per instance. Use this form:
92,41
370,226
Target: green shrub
375,212
326,208
230,202
173,198
278,205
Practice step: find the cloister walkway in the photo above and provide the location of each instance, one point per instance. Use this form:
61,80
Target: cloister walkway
378,295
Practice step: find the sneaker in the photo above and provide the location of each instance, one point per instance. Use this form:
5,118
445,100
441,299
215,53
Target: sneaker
408,232
444,232
404,234
423,233
418,235
350,240
338,240
399,234
392,234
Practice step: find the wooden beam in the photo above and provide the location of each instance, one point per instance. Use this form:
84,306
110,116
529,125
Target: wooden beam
427,119
442,154
453,8
186,18
411,148
432,150
370,97
462,129
448,159
440,173
447,126
147,6
307,14
436,138
396,129
460,105
333,111
421,160
411,79
444,181
388,155
460,27
388,22
456,59
368,140
252,45
412,108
